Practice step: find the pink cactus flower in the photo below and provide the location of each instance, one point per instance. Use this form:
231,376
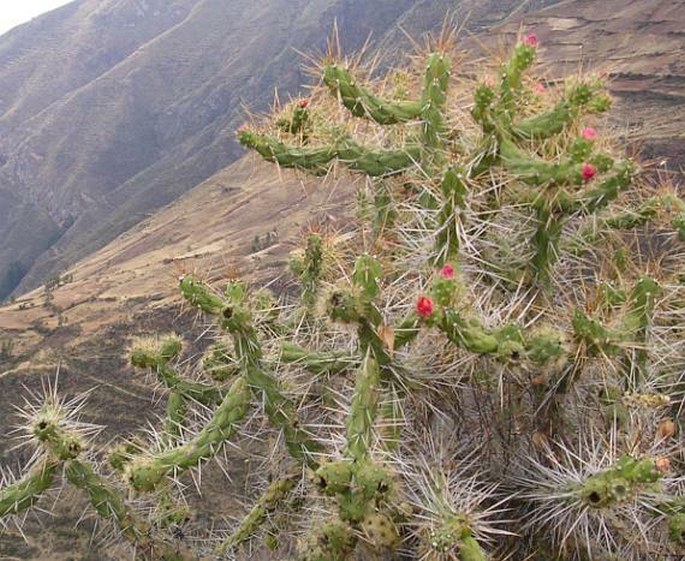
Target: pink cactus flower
531,40
539,88
588,133
424,307
588,171
447,272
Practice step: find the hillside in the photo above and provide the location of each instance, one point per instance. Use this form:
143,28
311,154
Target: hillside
111,110
129,285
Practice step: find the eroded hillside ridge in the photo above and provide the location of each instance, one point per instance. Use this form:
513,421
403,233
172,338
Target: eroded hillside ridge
111,110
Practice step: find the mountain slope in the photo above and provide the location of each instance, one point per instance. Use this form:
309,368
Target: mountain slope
110,110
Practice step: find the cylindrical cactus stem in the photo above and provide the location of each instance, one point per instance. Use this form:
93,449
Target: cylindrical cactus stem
406,331
433,101
635,323
581,98
48,429
150,352
298,122
219,364
545,244
312,268
146,473
596,338
22,494
331,541
362,103
593,199
676,528
511,82
277,492
367,275
317,160
176,410
110,505
200,296
282,414
469,334
280,410
454,191
618,483
317,362
155,354
453,537
363,410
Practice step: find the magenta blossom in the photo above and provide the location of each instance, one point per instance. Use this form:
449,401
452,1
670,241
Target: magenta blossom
424,307
588,133
588,171
531,40
447,272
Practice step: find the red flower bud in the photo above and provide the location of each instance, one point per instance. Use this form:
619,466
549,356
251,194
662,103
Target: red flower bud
531,40
424,307
447,272
588,133
588,171
303,103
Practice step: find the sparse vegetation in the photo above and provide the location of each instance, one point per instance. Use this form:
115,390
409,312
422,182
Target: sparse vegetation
488,365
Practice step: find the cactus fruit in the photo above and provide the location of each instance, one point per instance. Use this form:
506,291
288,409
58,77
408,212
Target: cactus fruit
490,367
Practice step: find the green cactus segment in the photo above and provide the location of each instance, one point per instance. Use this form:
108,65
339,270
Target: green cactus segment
277,492
641,304
219,364
374,163
156,353
150,353
582,97
533,171
298,123
282,414
434,100
106,500
335,478
317,362
608,189
145,474
47,428
454,537
468,334
367,274
545,244
345,305
362,103
380,531
470,550
597,339
310,269
483,108
676,528
618,483
332,541
199,295
363,410
511,83
27,491
176,410
406,331
454,192
636,321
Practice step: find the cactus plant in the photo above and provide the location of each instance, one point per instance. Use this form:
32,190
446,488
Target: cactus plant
492,369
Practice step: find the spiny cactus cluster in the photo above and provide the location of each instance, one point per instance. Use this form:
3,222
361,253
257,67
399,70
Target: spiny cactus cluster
488,363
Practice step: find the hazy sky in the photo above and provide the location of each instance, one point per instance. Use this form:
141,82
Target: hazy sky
14,12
